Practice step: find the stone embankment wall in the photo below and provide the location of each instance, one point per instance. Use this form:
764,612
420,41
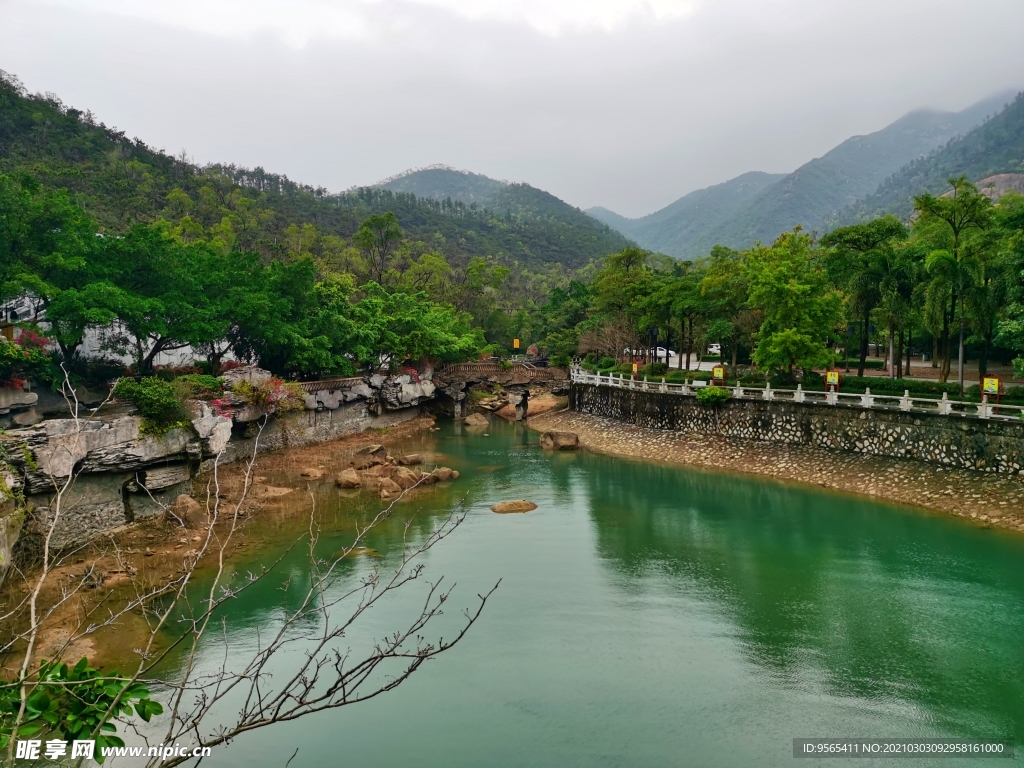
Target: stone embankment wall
952,441
121,475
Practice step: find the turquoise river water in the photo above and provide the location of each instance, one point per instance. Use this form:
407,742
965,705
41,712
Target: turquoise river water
651,615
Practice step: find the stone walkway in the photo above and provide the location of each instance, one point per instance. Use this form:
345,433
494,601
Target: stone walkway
992,500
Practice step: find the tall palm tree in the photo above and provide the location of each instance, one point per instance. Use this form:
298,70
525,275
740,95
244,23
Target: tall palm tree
957,264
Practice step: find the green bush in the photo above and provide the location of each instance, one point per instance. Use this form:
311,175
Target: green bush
654,370
606,363
19,364
681,377
713,395
870,365
752,379
157,401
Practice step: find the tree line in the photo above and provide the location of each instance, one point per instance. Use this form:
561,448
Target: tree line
952,280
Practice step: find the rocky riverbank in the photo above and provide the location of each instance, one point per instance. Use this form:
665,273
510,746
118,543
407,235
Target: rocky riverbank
987,498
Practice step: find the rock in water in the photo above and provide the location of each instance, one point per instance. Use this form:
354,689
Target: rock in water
389,488
406,478
559,441
312,473
519,505
347,479
443,474
369,456
410,460
476,420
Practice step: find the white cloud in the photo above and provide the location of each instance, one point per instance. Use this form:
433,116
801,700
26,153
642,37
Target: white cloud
298,22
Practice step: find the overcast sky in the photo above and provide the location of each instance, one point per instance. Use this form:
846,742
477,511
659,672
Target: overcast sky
623,103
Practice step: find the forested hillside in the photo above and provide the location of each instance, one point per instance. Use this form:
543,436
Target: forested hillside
811,196
439,182
122,181
681,228
995,147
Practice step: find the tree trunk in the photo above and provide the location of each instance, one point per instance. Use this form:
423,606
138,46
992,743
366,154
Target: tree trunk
946,347
960,357
935,351
689,344
682,340
863,344
910,344
735,348
899,356
891,352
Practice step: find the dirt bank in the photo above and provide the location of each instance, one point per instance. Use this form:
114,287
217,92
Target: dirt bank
988,499
140,558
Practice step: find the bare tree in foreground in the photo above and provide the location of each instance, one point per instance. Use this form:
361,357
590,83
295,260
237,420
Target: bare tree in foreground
197,708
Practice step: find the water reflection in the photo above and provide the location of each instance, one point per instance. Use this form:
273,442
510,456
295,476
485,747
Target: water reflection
828,592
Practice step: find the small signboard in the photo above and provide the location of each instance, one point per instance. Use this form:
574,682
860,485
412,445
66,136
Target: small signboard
515,343
718,373
832,379
990,385
636,367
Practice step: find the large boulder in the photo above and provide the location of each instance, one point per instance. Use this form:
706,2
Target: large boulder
444,474
311,473
405,478
369,456
347,478
519,505
559,441
476,420
389,488
410,459
187,511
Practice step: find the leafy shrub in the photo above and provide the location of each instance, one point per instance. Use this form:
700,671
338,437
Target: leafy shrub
711,359
198,386
713,395
20,363
157,400
682,377
590,357
606,363
870,365
72,702
272,394
654,369
812,380
752,379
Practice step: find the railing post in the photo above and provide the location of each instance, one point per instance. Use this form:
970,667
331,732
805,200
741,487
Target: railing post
832,397
945,407
866,400
798,396
767,394
737,392
686,387
664,387
905,403
983,409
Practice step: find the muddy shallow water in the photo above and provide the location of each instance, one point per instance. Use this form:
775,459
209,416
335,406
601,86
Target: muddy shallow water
648,615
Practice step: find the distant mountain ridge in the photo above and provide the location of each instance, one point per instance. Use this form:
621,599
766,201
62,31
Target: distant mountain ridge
514,205
759,206
992,149
440,182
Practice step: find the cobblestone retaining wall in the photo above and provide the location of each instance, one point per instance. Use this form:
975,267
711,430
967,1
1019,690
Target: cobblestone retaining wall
953,441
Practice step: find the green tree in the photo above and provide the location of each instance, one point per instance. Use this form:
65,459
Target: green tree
951,224
378,237
800,307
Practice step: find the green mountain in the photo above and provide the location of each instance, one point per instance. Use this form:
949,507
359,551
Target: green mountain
525,210
681,228
756,207
122,181
441,181
995,147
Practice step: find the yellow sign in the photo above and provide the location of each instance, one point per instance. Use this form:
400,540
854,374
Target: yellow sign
718,373
515,343
990,385
832,377
636,367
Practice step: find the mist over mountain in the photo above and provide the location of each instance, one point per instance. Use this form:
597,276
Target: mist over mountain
988,153
759,206
440,182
